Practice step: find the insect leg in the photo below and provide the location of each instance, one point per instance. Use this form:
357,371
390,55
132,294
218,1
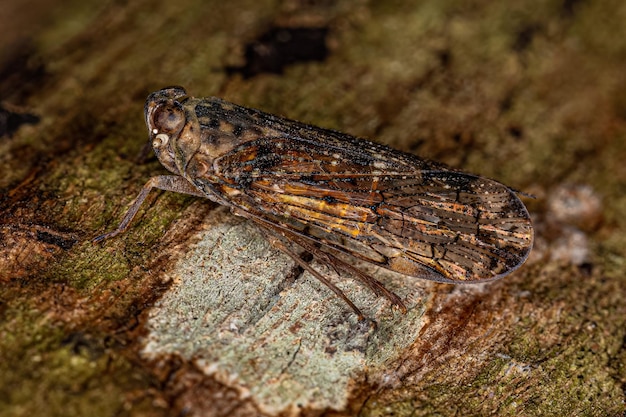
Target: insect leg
270,235
372,283
163,182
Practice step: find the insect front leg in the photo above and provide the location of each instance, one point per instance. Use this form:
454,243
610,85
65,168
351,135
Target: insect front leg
173,183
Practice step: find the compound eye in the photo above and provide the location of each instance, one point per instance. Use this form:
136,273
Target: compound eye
168,119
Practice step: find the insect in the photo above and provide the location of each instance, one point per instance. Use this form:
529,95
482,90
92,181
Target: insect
336,196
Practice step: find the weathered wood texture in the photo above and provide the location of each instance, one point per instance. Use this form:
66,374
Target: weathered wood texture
191,312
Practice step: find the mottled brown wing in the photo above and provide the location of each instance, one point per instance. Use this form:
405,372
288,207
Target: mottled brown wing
386,207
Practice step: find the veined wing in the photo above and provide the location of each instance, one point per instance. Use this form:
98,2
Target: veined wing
386,207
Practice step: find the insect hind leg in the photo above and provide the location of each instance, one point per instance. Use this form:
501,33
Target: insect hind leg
372,283
273,233
271,236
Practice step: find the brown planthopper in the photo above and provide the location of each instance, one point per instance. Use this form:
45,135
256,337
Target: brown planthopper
336,195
